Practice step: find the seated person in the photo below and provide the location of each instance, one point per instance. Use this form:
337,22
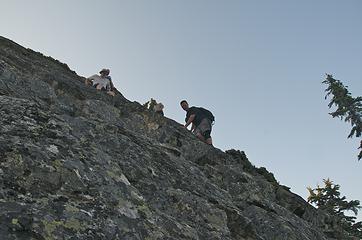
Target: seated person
102,82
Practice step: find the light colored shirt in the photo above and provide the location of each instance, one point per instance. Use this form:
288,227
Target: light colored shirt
102,82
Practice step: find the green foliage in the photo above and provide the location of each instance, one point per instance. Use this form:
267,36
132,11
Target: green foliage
348,108
328,198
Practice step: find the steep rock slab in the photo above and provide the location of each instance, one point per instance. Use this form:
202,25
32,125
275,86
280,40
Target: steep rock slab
76,163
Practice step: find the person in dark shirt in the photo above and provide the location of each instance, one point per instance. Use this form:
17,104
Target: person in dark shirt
201,124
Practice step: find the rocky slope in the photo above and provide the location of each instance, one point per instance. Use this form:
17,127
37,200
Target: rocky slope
76,163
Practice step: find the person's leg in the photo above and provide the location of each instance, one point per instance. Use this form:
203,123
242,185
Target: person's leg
199,136
203,131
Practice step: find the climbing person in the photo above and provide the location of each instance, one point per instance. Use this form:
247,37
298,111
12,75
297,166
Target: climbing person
102,82
154,106
158,108
201,120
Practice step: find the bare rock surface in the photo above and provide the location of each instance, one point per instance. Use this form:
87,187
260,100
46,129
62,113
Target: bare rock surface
76,163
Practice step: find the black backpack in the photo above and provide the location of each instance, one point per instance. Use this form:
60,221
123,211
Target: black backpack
208,114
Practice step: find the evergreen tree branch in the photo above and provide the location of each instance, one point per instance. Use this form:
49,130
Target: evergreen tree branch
348,108
328,198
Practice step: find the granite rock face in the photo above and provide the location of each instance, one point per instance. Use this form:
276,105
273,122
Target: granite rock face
76,163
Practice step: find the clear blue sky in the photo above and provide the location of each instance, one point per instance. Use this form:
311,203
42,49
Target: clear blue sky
258,65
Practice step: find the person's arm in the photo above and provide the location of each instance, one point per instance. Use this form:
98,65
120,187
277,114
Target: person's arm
111,86
89,80
191,119
193,126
